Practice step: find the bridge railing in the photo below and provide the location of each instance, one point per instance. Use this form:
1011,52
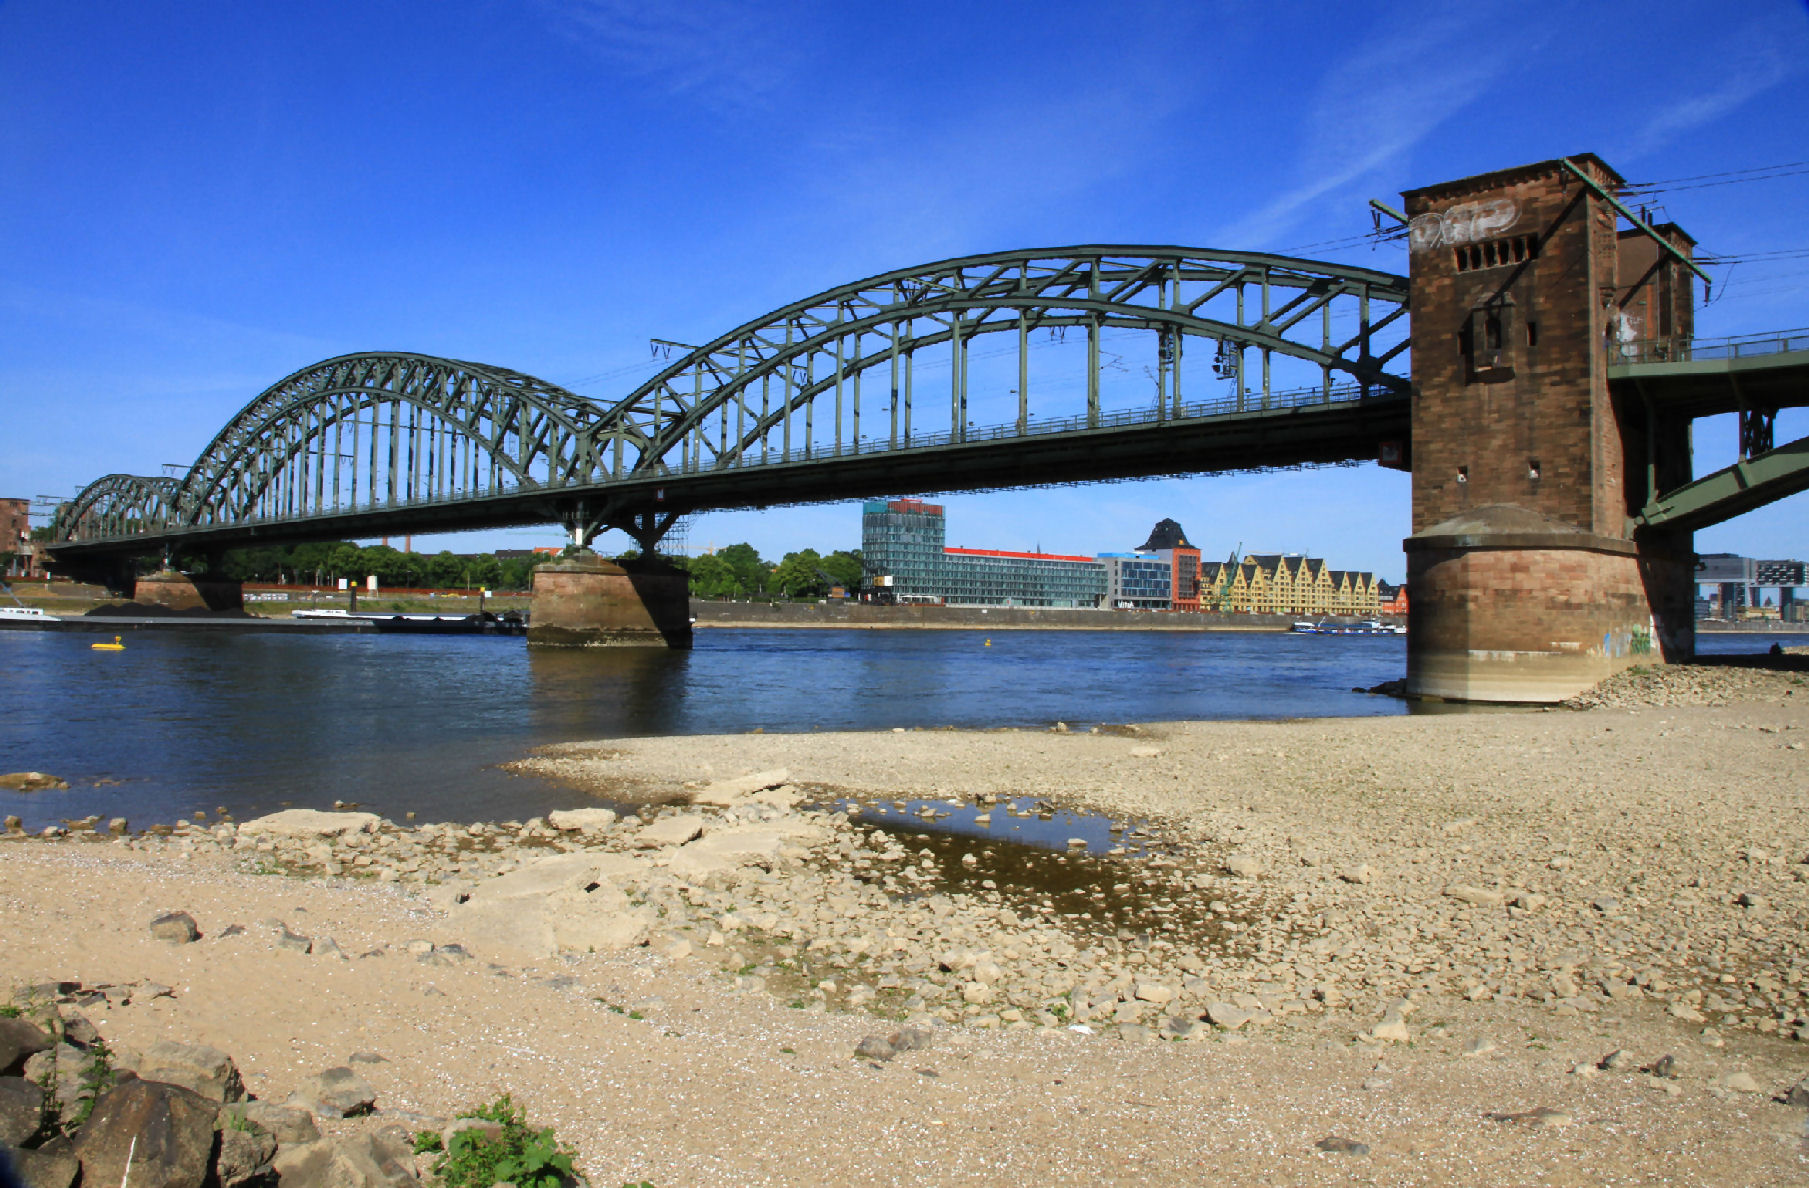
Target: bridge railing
1234,405
1690,350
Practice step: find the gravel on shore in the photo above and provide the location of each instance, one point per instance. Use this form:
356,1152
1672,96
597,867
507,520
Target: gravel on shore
1466,943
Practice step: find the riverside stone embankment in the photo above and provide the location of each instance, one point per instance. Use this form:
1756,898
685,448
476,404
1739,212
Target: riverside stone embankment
1552,947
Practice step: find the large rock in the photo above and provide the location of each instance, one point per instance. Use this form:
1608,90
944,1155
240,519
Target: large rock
164,1130
337,1093
310,823
245,1156
728,793
564,902
19,1041
196,1067
53,1165
21,1110
381,1159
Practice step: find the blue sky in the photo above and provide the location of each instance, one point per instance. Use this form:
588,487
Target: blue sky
198,198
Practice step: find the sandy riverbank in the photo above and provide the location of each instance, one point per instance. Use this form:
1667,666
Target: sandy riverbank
1437,926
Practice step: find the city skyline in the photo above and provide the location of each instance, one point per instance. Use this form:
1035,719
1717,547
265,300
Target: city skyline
184,227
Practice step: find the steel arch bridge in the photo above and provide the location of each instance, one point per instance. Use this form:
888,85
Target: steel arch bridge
1248,360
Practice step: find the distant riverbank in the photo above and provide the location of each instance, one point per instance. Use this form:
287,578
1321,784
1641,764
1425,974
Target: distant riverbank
965,618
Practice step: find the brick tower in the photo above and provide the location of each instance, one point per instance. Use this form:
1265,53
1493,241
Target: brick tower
1525,580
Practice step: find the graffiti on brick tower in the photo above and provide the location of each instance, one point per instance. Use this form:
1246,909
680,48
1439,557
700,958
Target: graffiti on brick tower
1465,223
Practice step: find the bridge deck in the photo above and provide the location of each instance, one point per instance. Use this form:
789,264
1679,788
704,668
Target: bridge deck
1719,376
1349,428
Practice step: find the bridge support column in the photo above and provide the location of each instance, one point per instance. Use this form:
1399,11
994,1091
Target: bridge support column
1525,580
583,601
1508,606
178,591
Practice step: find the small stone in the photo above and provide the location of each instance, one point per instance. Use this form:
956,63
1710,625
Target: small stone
912,1037
1227,1016
1482,1045
1180,1027
1541,1118
1392,1029
288,1124
1336,1145
875,1047
337,1093
1684,1011
1244,866
588,820
1617,1059
1475,896
674,830
176,928
1798,1094
1741,1082
1154,992
1664,1067
1359,875
293,941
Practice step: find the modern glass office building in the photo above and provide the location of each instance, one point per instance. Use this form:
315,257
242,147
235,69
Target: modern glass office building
1138,581
905,557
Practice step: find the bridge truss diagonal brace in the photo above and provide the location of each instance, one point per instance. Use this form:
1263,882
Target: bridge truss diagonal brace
585,519
1732,490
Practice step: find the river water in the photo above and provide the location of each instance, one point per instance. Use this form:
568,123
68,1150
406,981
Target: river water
179,723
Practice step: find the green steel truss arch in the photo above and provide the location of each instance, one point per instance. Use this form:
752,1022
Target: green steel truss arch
1348,323
384,430
118,505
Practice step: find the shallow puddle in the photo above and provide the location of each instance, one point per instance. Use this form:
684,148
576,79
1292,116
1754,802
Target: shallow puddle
1021,819
1119,886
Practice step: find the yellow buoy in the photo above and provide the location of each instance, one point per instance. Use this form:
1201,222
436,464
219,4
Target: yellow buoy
115,646
989,643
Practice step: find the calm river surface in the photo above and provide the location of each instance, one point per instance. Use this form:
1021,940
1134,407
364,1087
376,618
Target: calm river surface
398,723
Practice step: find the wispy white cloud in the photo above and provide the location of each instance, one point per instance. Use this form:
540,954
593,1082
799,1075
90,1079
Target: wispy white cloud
717,51
1371,109
1760,58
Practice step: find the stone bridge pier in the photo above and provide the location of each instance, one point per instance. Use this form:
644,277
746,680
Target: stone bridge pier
584,601
1525,580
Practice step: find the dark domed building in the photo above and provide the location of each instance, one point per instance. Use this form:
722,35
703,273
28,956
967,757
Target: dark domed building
1165,535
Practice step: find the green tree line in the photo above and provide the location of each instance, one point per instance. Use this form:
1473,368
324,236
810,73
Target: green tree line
738,571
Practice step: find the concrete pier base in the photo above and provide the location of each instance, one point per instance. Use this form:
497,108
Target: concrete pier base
583,601
1508,606
179,591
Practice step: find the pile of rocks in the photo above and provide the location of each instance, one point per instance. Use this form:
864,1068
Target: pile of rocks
78,1111
73,1109
1690,684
